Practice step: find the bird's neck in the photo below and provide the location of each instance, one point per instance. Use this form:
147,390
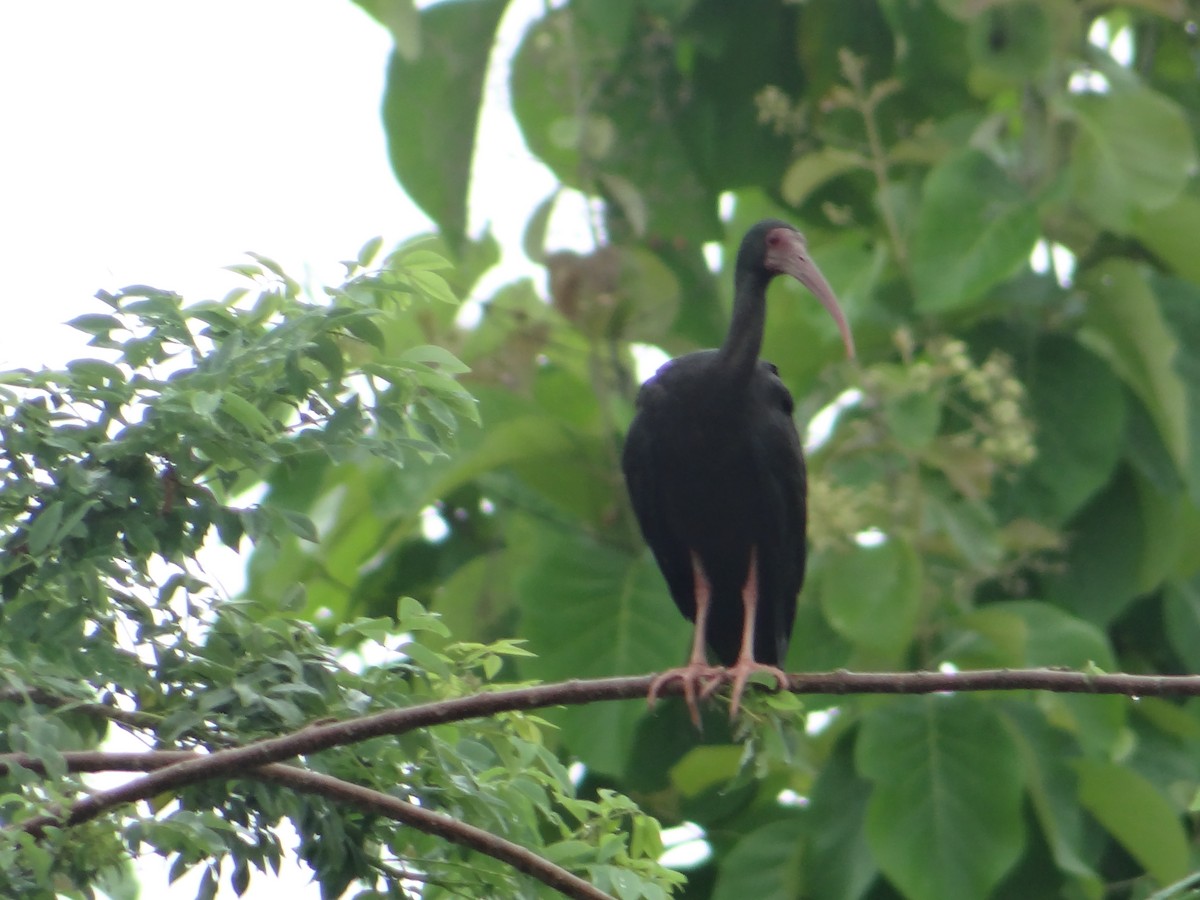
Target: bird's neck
739,352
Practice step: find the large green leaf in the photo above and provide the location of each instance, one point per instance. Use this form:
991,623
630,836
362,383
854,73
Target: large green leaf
945,820
1134,150
1170,233
872,595
1078,408
975,228
557,125
1137,815
1052,785
1181,611
591,610
1009,45
1125,325
930,61
764,864
1099,577
622,138
743,49
837,860
1180,304
431,108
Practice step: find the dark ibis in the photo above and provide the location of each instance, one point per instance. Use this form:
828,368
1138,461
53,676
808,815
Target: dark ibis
716,477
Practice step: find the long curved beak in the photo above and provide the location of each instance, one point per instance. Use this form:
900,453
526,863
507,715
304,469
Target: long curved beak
791,257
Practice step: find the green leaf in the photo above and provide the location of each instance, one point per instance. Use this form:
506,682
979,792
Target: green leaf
96,371
944,821
45,527
433,286
205,403
591,610
1052,785
1098,579
975,227
440,357
1125,325
245,413
764,864
421,259
632,134
1181,613
300,525
838,861
370,249
872,595
1169,232
1134,150
1010,44
95,323
1180,304
1078,408
366,331
1137,815
431,153
812,170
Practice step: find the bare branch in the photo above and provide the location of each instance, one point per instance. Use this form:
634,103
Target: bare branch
238,761
438,824
346,793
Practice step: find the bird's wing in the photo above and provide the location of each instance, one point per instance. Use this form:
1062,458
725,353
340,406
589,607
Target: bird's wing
643,478
781,460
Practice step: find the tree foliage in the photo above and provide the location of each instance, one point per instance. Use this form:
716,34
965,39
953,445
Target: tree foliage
1004,201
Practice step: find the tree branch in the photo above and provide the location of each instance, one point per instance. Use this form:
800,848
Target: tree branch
235,761
435,823
97,710
238,761
348,794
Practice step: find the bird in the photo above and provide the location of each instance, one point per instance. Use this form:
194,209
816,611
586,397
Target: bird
715,473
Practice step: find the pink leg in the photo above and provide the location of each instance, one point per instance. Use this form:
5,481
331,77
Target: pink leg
697,675
745,666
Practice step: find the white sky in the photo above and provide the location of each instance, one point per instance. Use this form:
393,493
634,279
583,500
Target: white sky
144,141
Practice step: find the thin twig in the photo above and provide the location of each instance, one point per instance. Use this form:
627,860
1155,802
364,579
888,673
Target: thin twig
97,710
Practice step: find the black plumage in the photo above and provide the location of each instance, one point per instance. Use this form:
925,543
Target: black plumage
716,476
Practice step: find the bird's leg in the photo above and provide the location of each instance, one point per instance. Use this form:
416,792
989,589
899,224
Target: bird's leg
697,675
746,665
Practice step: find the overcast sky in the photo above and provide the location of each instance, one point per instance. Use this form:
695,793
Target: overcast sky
151,142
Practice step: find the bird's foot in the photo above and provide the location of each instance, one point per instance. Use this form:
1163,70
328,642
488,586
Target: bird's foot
699,680
739,673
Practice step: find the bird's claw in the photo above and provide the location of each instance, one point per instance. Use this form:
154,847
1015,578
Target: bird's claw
699,682
740,673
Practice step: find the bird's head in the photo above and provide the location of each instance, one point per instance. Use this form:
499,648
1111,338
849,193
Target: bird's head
774,247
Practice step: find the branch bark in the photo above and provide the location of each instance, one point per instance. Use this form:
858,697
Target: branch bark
346,793
236,761
239,761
